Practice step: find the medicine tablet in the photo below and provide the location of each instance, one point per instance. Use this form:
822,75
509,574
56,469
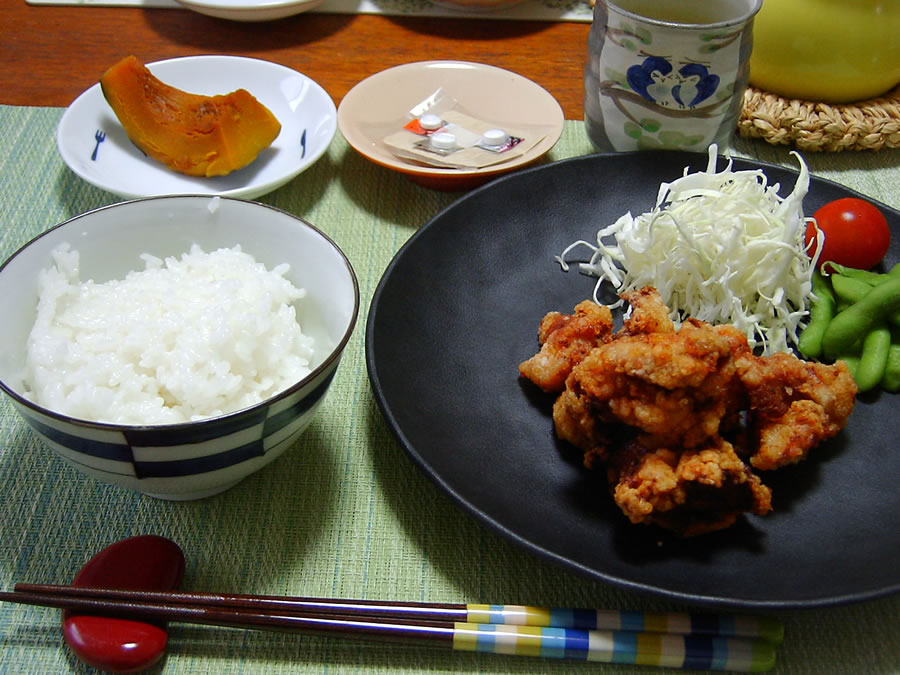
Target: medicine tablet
494,137
430,122
443,140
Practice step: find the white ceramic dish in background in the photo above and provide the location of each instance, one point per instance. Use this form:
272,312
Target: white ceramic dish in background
379,105
193,459
250,10
476,5
308,123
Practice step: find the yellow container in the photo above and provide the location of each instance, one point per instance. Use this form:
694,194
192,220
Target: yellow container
835,51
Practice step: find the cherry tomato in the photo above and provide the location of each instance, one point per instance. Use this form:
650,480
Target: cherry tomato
856,233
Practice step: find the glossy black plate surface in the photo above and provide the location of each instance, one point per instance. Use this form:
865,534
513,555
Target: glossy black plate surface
458,309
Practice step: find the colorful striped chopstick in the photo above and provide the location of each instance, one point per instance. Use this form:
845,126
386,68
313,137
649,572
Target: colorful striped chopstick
623,647
697,641
679,623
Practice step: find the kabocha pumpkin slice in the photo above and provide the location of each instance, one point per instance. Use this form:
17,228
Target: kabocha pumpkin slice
190,133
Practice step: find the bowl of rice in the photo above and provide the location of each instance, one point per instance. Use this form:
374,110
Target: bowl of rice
174,345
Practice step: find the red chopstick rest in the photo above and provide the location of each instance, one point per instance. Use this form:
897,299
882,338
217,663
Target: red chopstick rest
143,563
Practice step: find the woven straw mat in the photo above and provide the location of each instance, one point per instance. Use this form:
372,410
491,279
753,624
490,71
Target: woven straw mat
873,124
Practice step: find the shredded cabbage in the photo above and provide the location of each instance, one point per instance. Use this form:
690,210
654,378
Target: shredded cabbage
720,247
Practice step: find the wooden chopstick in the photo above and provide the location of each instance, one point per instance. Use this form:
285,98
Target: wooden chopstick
266,603
678,623
254,612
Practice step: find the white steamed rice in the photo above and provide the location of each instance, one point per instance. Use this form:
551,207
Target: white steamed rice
184,339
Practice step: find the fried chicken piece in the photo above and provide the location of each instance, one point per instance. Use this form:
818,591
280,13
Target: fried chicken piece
670,413
649,313
575,423
688,492
793,405
565,339
677,388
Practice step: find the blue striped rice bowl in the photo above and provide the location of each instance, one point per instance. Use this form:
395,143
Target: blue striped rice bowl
195,459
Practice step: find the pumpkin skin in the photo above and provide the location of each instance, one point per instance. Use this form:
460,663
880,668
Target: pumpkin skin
190,133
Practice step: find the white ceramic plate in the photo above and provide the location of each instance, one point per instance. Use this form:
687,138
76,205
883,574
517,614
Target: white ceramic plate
250,10
380,104
307,114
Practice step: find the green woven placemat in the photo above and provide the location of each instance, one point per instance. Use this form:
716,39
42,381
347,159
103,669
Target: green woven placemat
344,513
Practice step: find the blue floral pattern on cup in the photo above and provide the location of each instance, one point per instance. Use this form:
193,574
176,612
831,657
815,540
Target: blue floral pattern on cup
658,84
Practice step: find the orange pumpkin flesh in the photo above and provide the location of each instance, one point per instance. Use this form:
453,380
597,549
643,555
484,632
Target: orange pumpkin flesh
190,133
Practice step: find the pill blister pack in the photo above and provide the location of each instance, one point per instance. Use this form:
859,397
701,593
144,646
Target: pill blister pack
440,134
443,137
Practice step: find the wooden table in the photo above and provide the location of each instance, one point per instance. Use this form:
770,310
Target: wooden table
50,54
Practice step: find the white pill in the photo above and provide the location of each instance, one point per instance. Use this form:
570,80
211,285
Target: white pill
443,140
430,122
494,137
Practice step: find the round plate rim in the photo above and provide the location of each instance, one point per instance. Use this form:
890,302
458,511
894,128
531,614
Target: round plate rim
703,599
93,96
545,145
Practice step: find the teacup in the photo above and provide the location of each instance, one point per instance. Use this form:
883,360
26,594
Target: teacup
666,74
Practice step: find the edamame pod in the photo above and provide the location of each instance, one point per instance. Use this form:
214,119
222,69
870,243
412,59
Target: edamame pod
866,276
852,361
820,314
851,326
848,289
895,272
874,358
890,381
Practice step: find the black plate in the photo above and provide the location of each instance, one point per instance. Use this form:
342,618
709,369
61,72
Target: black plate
458,309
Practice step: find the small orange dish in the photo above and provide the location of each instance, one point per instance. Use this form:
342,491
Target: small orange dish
380,105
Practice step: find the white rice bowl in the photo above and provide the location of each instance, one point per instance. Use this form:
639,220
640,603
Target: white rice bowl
185,338
245,360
